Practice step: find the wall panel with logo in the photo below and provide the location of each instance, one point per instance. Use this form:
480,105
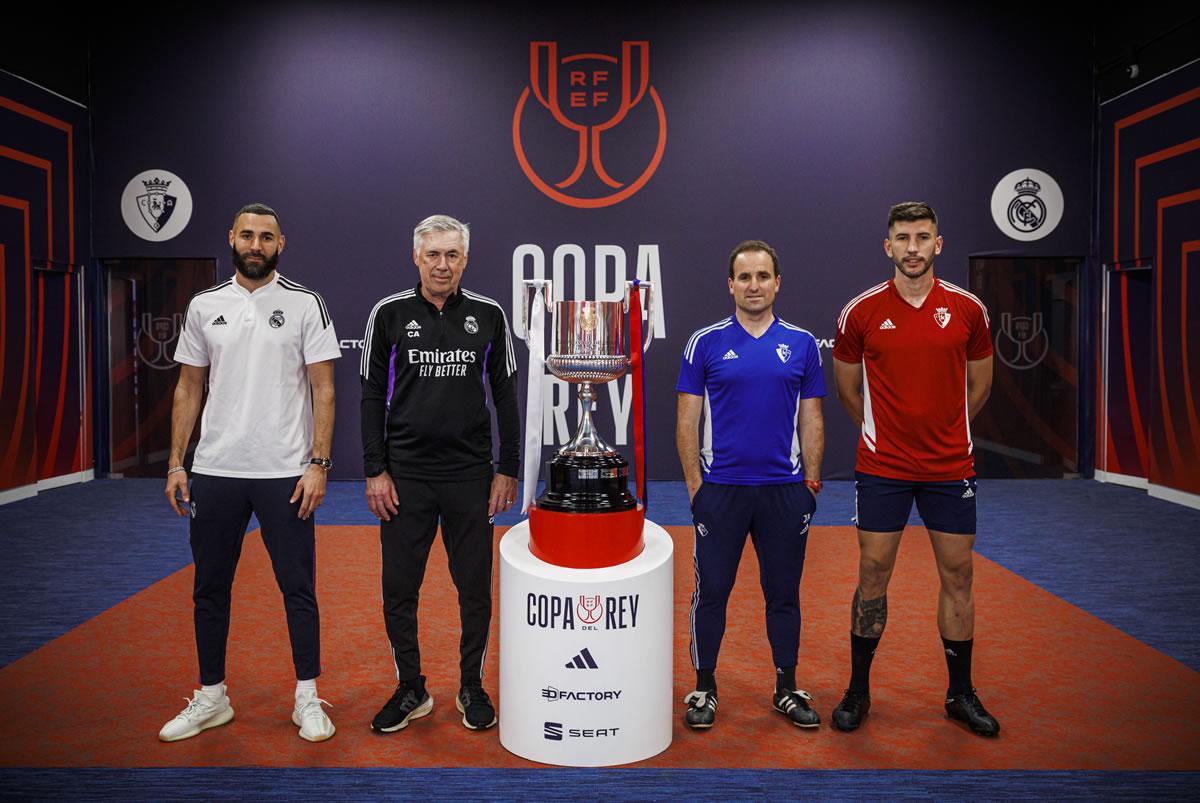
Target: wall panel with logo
1149,228
45,421
593,150
146,302
1029,427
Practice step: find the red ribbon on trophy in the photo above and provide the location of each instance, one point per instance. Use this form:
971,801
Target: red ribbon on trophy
636,363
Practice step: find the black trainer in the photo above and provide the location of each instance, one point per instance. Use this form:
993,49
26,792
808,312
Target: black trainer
409,701
476,707
967,708
701,709
851,710
793,704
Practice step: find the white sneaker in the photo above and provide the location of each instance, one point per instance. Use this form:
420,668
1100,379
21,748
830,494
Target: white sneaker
201,713
308,715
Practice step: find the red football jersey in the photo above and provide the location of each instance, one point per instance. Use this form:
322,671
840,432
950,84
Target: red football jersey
914,361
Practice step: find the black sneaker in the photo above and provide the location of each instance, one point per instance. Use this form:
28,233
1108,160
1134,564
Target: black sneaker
793,704
967,708
409,701
851,710
476,707
701,709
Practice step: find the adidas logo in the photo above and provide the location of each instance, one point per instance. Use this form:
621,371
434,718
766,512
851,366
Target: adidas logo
220,321
968,494
887,324
583,660
413,325
730,355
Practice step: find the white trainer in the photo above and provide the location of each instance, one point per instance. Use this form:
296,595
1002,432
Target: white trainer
311,719
201,713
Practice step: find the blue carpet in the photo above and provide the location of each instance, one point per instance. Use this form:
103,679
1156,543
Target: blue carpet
1116,552
586,784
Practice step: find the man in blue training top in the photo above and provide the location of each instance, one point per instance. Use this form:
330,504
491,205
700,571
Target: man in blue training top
759,382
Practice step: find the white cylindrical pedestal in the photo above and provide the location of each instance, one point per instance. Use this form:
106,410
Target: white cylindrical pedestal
585,655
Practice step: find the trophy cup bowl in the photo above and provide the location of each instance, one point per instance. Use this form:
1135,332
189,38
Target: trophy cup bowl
587,348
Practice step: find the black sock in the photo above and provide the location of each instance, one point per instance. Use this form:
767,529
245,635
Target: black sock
705,681
958,661
785,678
862,650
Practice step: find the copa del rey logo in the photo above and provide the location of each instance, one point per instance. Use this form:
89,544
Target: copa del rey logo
585,103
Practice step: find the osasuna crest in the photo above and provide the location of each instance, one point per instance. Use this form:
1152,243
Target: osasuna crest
942,316
1027,204
471,325
156,205
276,320
784,351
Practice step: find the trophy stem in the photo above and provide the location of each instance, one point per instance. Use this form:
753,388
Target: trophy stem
587,440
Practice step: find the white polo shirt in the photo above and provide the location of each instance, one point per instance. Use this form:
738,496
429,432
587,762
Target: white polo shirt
258,420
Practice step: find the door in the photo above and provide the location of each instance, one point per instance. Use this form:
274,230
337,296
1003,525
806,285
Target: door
1029,426
146,300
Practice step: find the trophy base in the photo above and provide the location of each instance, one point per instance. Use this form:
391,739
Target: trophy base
586,540
587,484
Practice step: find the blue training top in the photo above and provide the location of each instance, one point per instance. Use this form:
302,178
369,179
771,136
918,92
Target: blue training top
752,390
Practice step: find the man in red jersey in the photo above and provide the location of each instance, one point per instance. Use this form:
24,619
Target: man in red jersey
913,365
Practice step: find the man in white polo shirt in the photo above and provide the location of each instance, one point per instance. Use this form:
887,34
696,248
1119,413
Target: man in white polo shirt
265,345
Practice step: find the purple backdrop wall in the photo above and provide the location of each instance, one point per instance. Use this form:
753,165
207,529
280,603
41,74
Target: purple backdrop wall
797,126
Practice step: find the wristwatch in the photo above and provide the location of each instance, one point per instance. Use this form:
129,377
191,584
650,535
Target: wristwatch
323,462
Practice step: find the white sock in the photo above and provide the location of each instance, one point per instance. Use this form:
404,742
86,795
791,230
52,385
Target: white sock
214,693
306,688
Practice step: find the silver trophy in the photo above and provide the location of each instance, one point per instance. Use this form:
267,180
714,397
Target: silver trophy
587,347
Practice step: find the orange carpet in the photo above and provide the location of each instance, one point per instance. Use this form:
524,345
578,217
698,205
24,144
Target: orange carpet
1070,691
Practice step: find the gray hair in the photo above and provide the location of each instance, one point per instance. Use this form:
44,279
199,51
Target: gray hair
442,223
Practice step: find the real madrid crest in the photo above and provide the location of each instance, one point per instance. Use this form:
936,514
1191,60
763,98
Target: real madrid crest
1027,204
783,351
276,319
1026,212
471,325
942,316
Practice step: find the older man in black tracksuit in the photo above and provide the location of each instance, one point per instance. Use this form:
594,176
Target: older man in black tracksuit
427,454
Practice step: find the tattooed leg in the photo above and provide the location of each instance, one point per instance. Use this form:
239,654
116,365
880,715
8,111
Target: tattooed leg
868,617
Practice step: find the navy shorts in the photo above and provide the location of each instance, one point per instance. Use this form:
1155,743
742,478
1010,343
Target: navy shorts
882,504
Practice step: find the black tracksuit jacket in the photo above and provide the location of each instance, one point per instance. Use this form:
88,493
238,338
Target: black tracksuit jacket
424,404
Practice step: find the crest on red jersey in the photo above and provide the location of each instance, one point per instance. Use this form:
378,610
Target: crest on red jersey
942,316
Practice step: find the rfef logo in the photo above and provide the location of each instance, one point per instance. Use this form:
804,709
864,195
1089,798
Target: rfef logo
589,94
154,337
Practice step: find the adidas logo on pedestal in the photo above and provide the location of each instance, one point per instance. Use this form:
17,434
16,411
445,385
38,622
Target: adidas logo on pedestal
887,324
583,660
730,355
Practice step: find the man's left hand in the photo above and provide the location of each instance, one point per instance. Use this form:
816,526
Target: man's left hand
504,493
310,490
